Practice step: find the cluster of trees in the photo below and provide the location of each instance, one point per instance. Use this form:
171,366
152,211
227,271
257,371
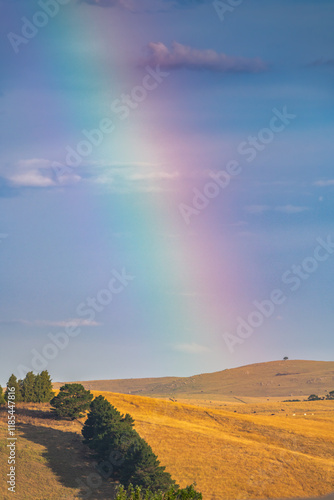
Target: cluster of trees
121,453
314,397
32,389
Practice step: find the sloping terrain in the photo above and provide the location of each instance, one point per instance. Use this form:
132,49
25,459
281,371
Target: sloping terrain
274,450
284,379
51,461
284,450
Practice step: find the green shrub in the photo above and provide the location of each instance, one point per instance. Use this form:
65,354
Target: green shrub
138,493
71,402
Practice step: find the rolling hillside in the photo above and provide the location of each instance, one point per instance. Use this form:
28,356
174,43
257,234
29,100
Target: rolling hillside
241,452
280,379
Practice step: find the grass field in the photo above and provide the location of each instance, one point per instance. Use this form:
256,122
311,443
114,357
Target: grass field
52,463
234,453
231,452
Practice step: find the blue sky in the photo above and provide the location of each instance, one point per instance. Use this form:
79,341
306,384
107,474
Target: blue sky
119,209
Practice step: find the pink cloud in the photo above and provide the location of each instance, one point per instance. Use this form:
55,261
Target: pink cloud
182,56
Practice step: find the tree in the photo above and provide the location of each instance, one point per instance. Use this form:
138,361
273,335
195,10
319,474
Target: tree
43,387
106,429
108,432
2,397
330,395
28,388
13,383
313,397
285,358
141,467
71,402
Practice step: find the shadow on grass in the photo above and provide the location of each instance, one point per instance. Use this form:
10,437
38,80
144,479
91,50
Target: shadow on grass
41,411
69,460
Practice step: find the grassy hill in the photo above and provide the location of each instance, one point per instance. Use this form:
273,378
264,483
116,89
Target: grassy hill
280,379
51,463
233,452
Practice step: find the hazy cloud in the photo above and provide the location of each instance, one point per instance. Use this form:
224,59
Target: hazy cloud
323,62
324,183
192,348
146,5
257,209
291,209
61,324
287,209
182,56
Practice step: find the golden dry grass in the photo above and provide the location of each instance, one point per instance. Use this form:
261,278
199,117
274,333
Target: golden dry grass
51,463
231,452
240,455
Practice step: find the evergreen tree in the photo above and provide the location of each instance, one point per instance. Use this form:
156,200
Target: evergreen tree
20,382
71,402
142,468
28,388
106,431
43,387
12,382
2,397
38,388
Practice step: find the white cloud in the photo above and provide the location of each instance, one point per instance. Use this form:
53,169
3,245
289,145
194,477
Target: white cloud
39,173
121,177
136,177
31,179
192,348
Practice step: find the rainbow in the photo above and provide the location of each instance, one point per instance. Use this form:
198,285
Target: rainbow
185,277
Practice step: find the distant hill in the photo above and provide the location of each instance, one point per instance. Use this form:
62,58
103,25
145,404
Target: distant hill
286,379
